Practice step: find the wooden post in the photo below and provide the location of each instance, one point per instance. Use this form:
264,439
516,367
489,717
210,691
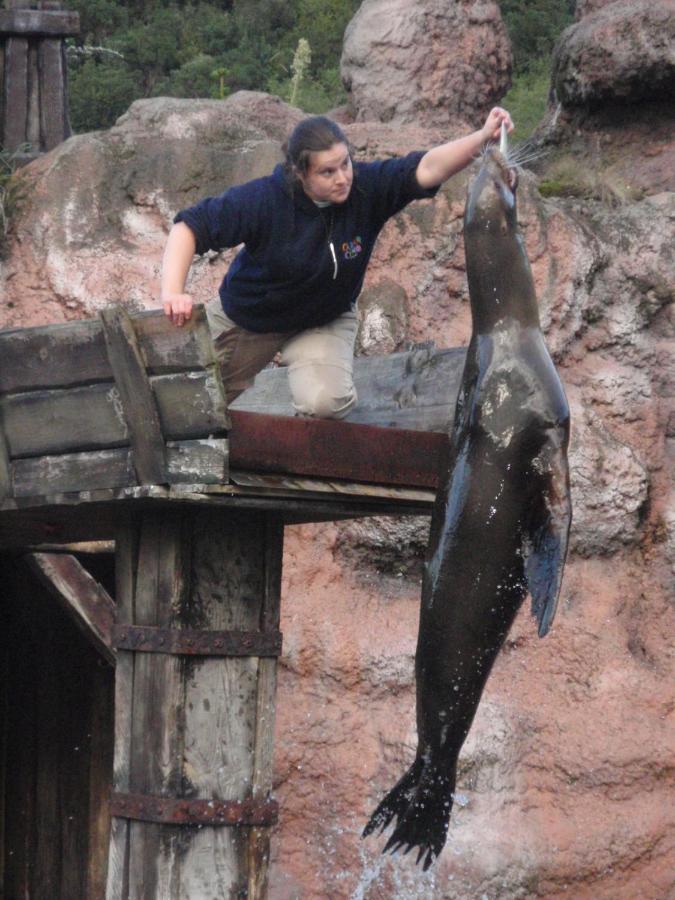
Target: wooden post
34,101
194,724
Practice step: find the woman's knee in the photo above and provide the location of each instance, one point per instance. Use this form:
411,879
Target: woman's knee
325,392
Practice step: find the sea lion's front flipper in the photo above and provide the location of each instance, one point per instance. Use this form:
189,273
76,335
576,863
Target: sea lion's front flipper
547,530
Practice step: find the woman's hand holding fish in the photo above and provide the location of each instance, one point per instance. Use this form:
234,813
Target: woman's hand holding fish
493,123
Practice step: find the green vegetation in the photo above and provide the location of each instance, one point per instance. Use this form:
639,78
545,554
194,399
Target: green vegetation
534,27
209,48
194,48
527,99
596,179
12,195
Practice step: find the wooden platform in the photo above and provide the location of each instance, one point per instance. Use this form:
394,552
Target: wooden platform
97,414
116,430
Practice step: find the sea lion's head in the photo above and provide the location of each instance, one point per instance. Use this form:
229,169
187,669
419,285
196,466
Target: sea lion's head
491,203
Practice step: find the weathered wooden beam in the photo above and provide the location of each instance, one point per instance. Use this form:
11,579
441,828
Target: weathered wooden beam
16,93
33,136
90,417
157,733
415,390
21,528
263,741
75,352
189,462
126,562
86,602
320,447
5,468
188,729
39,22
136,397
52,96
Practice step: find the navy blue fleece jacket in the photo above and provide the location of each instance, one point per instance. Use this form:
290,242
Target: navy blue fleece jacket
285,277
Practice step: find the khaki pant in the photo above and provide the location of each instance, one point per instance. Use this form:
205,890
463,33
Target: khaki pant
320,361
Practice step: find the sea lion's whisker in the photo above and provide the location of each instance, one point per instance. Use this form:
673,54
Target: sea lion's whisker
528,158
525,153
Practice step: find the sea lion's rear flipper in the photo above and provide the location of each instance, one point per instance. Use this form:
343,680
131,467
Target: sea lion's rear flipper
421,802
546,534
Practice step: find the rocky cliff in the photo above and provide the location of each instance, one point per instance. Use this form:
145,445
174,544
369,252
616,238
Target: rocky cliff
566,781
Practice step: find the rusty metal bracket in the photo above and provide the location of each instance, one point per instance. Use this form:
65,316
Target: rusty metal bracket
176,811
150,639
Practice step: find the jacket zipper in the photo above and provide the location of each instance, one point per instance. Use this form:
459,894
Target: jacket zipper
329,231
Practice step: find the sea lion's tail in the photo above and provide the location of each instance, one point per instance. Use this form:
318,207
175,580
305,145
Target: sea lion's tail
421,803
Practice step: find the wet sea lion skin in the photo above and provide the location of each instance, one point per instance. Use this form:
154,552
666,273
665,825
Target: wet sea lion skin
501,520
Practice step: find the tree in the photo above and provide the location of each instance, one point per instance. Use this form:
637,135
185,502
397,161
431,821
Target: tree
100,92
534,26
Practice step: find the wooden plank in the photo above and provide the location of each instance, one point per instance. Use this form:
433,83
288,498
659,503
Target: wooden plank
49,735
39,22
263,744
73,472
415,390
136,396
16,92
91,417
21,759
101,729
86,602
33,106
336,450
220,700
157,727
35,525
52,85
191,404
75,353
83,418
5,468
72,764
189,462
126,567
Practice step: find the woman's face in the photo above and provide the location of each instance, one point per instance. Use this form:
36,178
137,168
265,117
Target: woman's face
329,175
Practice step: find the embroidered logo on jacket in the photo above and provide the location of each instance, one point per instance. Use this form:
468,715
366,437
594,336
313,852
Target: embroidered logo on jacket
351,249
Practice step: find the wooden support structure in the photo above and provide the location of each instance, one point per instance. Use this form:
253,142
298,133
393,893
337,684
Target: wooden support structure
123,401
186,570
82,598
135,445
34,101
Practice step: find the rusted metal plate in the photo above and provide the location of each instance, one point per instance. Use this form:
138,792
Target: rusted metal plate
173,811
321,447
188,642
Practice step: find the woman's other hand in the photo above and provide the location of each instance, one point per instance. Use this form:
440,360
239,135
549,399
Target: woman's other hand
178,307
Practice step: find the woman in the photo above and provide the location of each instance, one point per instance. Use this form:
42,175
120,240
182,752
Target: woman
308,231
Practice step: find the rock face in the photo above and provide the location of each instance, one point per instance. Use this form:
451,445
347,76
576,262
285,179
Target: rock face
117,191
585,7
566,780
431,62
624,51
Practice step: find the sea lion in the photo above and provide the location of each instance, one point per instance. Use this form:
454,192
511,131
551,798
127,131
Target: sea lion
502,514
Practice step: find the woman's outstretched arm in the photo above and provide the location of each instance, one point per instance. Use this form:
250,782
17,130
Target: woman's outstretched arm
439,163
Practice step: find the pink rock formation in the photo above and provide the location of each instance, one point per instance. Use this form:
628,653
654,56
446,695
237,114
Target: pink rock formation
115,193
624,51
433,62
566,781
